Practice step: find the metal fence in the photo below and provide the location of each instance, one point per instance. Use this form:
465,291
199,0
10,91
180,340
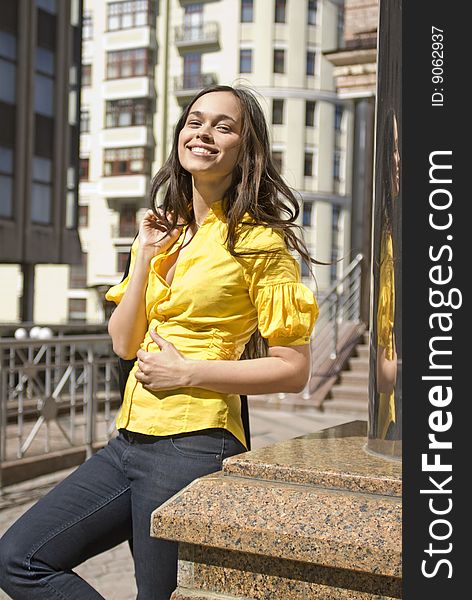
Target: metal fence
51,392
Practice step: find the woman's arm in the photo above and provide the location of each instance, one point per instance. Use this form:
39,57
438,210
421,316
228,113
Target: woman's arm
286,369
128,323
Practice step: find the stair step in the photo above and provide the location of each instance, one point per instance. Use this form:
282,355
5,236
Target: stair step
349,391
362,351
354,378
359,364
344,405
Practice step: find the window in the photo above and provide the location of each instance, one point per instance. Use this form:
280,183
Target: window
84,121
280,10
78,309
310,62
84,169
335,237
7,67
128,112
83,215
6,182
245,60
47,5
192,70
312,6
41,192
308,169
121,260
193,21
129,63
307,212
78,274
310,113
127,221
126,161
86,75
279,61
247,11
277,159
87,26
133,13
338,117
305,270
277,112
337,165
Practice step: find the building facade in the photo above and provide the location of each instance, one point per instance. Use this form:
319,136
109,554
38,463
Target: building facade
40,54
143,60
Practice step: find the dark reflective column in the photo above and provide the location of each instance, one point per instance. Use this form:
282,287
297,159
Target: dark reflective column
385,385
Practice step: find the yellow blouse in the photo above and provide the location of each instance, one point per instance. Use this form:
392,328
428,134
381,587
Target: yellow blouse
211,309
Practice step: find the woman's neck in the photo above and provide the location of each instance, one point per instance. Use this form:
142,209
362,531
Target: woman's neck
205,194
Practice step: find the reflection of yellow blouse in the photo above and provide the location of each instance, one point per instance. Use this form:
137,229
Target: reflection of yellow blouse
213,306
385,321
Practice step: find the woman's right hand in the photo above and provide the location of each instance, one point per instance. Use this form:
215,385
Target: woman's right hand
152,236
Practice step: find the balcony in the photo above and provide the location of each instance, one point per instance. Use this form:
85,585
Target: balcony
196,36
186,86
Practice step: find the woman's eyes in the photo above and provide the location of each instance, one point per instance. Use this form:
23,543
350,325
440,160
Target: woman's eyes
223,128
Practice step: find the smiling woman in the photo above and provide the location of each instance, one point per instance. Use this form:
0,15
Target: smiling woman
211,280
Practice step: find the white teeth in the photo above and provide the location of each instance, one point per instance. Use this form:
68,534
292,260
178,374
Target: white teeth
198,150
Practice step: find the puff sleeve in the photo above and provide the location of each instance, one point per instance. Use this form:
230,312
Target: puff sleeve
286,308
116,292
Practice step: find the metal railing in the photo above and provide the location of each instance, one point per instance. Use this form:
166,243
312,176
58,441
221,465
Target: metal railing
205,33
189,84
51,391
339,304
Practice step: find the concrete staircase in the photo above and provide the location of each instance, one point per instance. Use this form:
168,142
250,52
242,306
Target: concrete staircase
351,391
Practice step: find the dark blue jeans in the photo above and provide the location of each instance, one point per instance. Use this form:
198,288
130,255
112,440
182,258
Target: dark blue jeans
104,502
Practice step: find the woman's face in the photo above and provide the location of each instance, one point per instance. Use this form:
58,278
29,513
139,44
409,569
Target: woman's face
210,140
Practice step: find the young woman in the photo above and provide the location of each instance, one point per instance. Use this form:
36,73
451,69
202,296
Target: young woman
211,277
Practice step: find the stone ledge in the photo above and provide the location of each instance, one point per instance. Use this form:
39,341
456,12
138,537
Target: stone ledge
294,522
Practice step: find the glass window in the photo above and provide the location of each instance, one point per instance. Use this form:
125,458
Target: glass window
338,117
128,112
42,169
312,7
337,165
125,161
335,241
121,261
129,63
245,60
44,95
279,61
192,70
8,79
45,61
277,159
47,5
84,169
280,11
127,221
133,13
307,212
277,112
6,182
87,26
83,215
247,11
310,113
86,75
78,309
84,121
7,45
41,191
310,62
308,169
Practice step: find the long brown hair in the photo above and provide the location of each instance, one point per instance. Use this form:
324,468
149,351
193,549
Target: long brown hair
256,188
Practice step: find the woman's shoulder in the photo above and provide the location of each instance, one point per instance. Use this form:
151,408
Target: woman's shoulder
255,236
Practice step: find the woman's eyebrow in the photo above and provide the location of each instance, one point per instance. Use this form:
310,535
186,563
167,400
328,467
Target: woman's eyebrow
199,113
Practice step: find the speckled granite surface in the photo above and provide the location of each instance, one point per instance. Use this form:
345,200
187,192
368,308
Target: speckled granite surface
315,517
295,522
333,458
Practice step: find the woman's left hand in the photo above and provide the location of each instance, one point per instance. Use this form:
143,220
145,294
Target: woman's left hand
162,370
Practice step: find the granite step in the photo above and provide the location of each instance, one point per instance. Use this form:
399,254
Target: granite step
358,364
355,392
362,351
346,406
354,378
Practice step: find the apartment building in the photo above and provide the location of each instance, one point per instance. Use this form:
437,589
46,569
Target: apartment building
40,55
143,60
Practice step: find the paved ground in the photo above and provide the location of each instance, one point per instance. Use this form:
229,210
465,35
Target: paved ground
112,573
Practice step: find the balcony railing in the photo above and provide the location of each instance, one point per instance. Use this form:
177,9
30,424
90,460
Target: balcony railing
206,34
188,85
